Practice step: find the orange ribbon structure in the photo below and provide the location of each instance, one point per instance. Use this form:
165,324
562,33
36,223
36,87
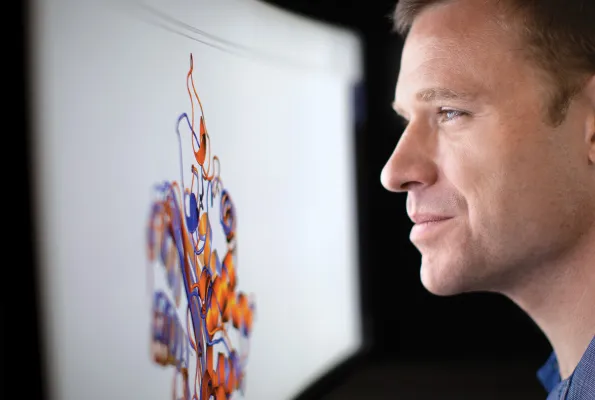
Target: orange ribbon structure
180,239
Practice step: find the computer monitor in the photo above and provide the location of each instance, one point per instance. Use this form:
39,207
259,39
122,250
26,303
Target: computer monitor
194,170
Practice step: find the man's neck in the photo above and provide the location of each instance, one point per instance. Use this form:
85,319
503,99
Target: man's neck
560,298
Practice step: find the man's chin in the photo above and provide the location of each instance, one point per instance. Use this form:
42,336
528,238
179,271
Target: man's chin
441,290
442,281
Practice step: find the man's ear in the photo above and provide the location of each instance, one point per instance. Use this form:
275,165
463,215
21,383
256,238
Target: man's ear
590,128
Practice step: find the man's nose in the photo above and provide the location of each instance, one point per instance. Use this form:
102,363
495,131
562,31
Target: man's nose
412,162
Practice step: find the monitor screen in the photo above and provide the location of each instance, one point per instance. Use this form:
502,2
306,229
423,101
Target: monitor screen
195,198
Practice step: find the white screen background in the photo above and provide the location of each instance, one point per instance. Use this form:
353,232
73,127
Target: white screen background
109,84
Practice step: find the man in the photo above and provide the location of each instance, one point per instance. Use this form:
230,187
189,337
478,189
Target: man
498,162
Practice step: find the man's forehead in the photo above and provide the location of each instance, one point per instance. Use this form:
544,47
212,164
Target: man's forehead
460,28
472,19
467,60
439,79
427,50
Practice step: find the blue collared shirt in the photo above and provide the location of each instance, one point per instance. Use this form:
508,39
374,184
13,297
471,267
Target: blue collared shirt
578,386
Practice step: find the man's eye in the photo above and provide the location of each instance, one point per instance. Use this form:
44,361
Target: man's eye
447,115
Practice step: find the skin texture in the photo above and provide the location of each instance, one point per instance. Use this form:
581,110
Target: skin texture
479,148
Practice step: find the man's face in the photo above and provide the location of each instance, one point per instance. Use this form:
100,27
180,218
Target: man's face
478,149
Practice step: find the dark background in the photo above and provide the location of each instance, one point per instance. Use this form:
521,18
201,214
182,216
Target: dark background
418,346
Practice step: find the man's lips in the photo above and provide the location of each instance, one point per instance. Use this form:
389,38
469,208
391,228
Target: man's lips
424,218
428,225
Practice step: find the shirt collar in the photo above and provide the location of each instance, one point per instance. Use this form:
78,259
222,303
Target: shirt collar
549,373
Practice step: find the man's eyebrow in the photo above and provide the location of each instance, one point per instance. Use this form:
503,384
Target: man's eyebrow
439,93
